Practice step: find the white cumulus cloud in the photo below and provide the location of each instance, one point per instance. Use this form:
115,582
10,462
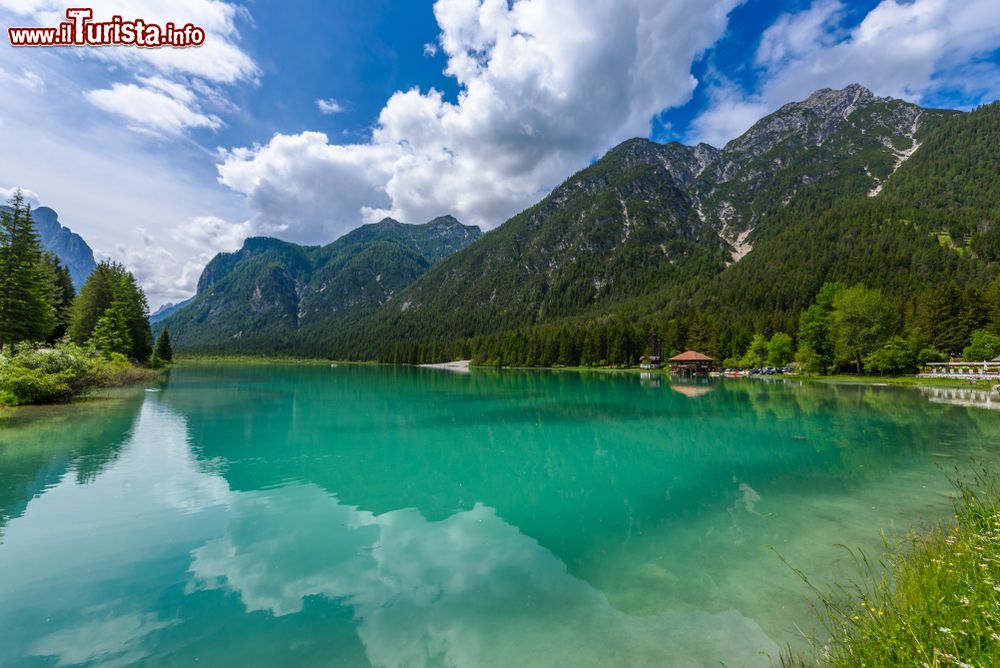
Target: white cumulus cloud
25,78
167,276
911,50
545,86
329,106
159,106
730,114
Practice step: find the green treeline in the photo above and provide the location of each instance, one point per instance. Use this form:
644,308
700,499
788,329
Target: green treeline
846,328
112,314
55,344
30,294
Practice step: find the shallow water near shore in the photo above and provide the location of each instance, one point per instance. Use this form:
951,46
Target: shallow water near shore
303,515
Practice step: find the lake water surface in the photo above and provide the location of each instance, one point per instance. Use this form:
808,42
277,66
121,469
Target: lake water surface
307,515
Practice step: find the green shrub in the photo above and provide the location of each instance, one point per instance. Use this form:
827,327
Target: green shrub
31,373
984,347
19,385
894,358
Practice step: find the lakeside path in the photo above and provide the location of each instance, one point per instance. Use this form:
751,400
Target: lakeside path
460,366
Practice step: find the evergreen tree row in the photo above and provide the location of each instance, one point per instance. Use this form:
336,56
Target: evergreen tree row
854,328
38,303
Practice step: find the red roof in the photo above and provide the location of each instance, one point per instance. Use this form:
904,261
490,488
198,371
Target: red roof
691,356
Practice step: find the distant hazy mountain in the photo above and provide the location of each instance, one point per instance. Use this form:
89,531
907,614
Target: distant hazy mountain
168,310
68,246
276,296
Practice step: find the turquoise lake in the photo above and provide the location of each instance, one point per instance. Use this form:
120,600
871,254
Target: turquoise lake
271,515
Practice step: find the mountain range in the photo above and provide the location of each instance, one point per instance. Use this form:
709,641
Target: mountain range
843,185
282,297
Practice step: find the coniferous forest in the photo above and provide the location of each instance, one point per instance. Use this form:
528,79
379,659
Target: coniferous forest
55,344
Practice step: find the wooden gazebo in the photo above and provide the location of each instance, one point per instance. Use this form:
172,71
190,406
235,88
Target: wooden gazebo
692,363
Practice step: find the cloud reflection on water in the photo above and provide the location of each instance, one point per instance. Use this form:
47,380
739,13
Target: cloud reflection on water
470,590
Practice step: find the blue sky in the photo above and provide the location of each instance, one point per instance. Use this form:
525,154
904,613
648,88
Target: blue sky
303,120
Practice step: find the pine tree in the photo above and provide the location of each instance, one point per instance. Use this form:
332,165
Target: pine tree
60,293
111,332
110,285
163,350
137,316
702,335
25,311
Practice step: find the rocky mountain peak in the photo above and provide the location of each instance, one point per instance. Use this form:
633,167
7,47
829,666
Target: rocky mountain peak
831,102
446,220
68,246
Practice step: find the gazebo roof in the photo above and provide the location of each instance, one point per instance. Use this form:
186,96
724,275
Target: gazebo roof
691,356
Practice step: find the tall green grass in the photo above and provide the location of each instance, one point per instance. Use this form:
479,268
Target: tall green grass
934,601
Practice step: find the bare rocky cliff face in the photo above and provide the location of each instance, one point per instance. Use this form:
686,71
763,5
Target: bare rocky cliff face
847,139
67,245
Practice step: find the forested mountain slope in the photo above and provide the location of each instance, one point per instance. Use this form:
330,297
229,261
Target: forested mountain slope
275,296
937,220
649,221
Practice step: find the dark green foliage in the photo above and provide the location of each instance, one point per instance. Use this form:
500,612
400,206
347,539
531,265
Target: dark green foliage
809,361
163,350
814,324
946,316
780,350
984,347
756,355
33,373
953,178
135,310
111,312
112,332
25,285
860,322
61,293
30,375
895,357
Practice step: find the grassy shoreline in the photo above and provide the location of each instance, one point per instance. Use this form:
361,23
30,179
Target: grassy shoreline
932,602
902,381
130,381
